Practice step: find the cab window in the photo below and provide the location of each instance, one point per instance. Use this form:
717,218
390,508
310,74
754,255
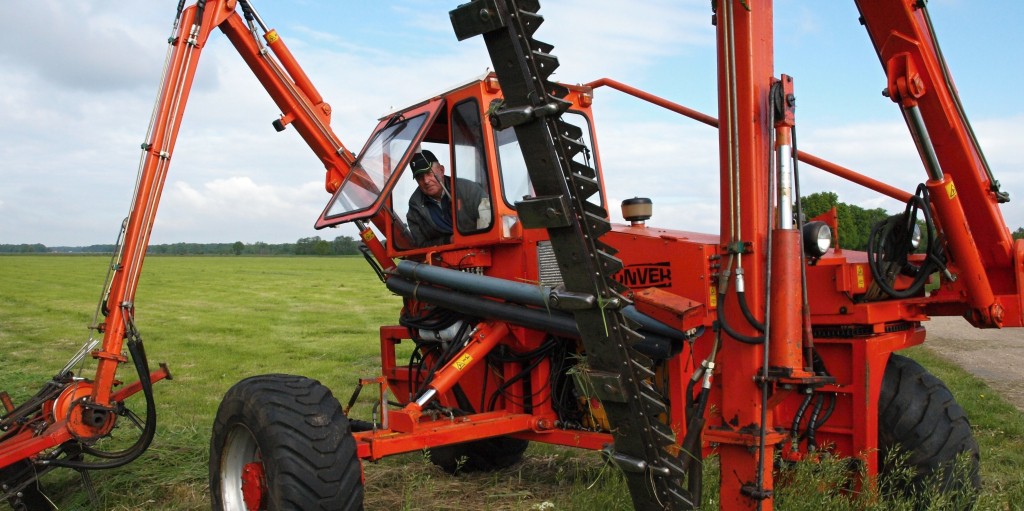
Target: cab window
470,169
515,181
458,146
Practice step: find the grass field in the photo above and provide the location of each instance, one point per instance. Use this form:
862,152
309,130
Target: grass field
216,320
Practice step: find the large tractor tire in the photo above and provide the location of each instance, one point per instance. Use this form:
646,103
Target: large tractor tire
479,456
919,416
282,442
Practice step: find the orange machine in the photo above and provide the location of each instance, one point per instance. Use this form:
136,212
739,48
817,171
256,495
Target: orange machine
533,318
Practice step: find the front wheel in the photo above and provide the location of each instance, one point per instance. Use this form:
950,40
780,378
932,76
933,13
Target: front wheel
282,442
919,418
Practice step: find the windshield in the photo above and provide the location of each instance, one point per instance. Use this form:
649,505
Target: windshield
515,179
374,167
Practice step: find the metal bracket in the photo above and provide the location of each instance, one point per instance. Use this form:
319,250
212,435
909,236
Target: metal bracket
567,300
509,117
547,212
475,18
608,386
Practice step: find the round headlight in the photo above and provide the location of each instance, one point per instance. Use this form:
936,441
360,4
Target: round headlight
817,238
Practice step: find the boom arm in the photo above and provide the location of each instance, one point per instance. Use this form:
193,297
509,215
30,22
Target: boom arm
917,79
288,86
302,107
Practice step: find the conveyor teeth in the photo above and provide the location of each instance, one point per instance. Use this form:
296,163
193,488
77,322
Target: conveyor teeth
531,21
673,466
586,187
552,152
654,405
546,63
642,372
663,433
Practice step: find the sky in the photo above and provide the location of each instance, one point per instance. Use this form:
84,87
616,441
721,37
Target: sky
80,79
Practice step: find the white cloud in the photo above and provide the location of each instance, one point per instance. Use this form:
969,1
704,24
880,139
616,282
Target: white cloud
80,81
222,210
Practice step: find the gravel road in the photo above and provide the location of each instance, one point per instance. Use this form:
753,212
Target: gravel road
995,356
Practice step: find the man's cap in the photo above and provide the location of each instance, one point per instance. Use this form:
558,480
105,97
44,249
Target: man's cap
421,162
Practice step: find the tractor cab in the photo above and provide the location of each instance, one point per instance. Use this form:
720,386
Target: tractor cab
484,175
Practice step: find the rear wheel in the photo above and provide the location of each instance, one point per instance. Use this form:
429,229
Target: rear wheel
282,442
918,416
480,455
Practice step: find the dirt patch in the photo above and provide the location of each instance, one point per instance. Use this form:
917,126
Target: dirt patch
995,356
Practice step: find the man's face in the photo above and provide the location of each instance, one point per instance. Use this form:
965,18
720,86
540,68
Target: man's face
430,182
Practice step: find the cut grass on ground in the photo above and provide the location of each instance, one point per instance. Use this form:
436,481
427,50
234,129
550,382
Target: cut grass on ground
216,320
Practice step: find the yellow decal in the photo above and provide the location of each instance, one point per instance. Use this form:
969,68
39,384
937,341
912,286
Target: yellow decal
463,361
272,37
713,296
368,235
950,190
860,277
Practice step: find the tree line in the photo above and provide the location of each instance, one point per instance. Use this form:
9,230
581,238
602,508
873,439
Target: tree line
314,245
855,225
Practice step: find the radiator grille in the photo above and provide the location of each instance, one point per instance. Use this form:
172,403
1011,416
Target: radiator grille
548,272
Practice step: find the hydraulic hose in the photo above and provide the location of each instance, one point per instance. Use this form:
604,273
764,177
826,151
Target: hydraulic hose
879,239
126,456
815,423
799,416
812,442
721,322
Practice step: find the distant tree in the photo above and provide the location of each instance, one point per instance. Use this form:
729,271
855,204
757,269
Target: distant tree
321,248
237,248
311,246
1019,233
818,203
855,222
345,245
24,248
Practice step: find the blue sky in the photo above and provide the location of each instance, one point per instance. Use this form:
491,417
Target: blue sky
80,79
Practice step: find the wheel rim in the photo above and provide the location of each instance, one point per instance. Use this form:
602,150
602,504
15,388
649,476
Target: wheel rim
242,481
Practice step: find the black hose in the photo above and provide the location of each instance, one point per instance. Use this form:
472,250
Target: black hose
130,454
799,417
808,335
548,346
200,10
368,255
812,442
721,322
741,296
814,424
880,238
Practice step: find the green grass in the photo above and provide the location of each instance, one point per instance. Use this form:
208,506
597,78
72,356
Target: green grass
216,320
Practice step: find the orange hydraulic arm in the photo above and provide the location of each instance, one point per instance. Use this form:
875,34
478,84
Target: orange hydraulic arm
980,244
288,86
302,107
